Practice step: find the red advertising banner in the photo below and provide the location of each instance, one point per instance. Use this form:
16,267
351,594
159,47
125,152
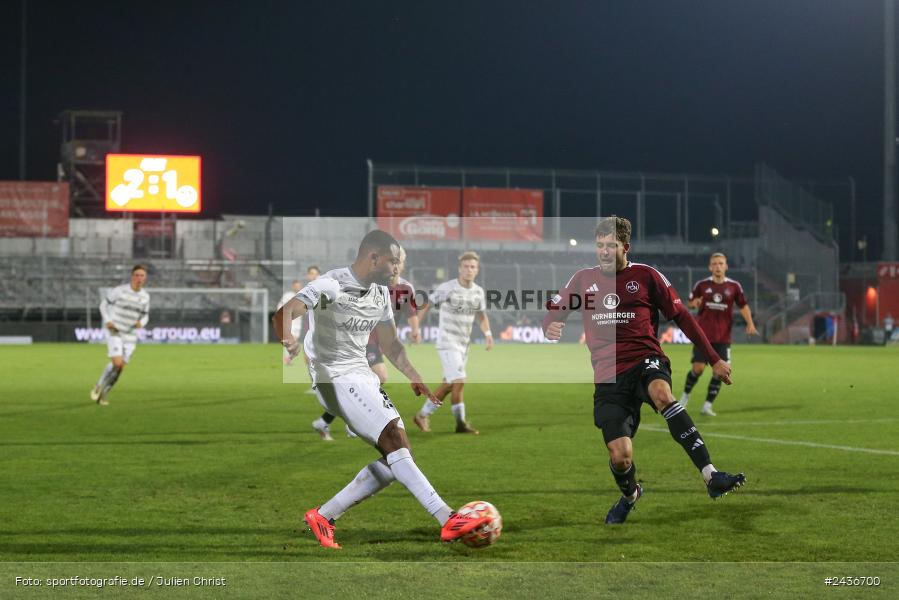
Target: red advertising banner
34,209
419,213
503,214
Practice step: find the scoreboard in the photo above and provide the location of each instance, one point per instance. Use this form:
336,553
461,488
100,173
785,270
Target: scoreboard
152,183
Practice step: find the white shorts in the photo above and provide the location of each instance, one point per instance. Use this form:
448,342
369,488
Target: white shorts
357,398
453,363
115,346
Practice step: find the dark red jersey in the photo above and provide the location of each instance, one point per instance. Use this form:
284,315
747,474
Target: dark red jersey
621,315
402,297
716,311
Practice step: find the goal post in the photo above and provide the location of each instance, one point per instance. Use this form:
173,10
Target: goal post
194,315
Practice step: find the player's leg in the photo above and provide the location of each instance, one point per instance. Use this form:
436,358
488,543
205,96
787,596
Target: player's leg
394,444
323,426
458,407
115,349
697,366
449,364
372,415
723,351
618,424
685,433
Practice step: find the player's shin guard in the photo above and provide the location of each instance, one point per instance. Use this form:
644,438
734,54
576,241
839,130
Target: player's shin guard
714,388
407,472
110,380
692,378
626,480
373,478
101,383
685,433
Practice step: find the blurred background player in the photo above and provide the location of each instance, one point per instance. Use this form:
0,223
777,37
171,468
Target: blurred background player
715,297
620,303
460,301
125,309
347,305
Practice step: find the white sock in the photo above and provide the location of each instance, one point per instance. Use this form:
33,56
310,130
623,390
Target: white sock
459,412
407,472
707,406
428,409
102,381
373,478
707,472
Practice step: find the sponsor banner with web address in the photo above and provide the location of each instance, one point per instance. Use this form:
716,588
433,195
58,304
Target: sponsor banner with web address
160,335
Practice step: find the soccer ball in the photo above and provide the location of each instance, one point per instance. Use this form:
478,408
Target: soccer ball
489,533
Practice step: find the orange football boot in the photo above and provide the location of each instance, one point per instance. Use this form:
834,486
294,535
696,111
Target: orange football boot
458,525
322,528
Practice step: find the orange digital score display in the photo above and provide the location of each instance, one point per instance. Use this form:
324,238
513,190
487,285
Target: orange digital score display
150,183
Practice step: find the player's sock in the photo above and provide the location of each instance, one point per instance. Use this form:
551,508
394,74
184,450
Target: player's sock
110,381
692,378
328,418
373,478
428,408
707,472
626,480
714,388
101,383
407,472
685,433
459,412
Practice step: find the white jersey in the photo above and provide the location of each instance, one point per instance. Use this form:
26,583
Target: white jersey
342,315
458,307
125,308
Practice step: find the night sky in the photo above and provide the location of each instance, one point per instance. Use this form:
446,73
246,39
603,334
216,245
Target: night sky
286,100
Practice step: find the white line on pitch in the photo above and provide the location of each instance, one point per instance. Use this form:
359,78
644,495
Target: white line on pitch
786,442
800,422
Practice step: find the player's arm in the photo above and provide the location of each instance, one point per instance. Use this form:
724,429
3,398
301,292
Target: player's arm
558,310
747,316
414,323
282,319
109,298
484,324
695,299
144,316
396,353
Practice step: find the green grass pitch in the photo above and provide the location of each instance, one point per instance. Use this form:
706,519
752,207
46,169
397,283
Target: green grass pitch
205,461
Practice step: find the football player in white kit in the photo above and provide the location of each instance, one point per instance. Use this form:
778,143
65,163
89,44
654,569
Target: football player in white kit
125,309
344,306
460,301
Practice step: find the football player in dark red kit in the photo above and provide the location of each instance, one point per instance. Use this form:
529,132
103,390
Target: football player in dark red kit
619,302
715,297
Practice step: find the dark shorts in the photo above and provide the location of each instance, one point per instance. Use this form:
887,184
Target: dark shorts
723,351
374,355
616,406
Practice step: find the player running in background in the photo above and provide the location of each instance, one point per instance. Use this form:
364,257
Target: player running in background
619,303
125,309
345,305
715,297
460,301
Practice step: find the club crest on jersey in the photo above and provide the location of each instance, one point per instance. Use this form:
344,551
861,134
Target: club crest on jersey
717,297
611,301
632,286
